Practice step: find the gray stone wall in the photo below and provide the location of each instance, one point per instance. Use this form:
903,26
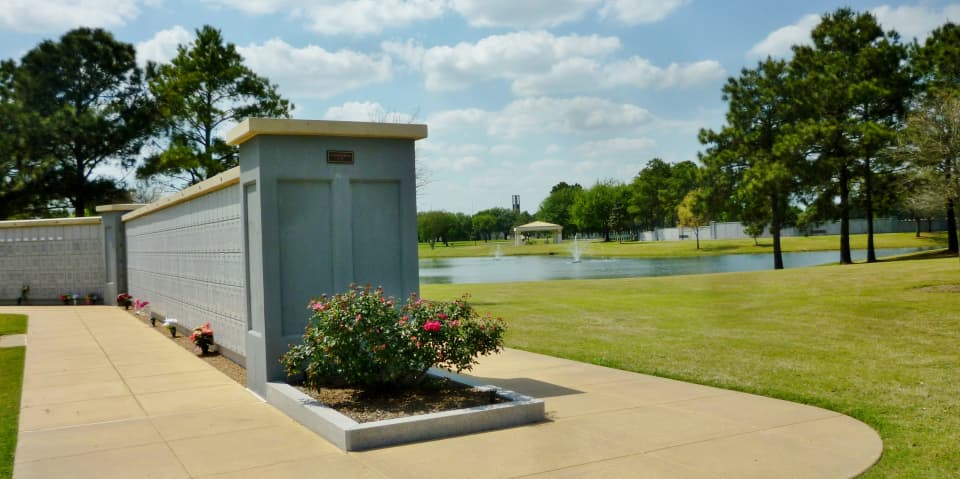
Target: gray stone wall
187,260
53,257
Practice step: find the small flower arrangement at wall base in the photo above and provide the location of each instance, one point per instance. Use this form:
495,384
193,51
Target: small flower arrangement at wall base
69,298
171,325
202,338
91,298
140,308
125,300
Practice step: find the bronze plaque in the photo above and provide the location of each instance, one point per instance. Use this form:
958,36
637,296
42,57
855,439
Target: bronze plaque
340,157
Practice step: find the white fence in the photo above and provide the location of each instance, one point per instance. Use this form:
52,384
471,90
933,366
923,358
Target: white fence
734,230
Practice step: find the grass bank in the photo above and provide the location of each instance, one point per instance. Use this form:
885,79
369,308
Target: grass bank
11,383
660,249
875,341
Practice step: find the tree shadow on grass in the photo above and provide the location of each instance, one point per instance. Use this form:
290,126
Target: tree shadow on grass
932,254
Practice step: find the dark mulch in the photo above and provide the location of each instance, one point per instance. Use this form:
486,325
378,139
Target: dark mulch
432,395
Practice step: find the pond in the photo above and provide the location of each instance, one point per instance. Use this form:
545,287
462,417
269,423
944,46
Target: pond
543,268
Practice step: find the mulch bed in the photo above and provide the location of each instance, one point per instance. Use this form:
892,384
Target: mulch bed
430,396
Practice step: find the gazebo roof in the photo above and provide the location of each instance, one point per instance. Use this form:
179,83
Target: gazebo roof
539,226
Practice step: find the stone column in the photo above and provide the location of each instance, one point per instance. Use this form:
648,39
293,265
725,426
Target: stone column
324,204
114,250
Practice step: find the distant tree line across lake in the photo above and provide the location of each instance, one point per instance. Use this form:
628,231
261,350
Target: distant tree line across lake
855,125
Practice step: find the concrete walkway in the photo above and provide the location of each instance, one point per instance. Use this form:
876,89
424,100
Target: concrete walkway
105,397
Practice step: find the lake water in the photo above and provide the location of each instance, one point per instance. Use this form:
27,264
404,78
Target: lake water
544,268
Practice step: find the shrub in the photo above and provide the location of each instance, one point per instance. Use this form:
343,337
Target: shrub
361,338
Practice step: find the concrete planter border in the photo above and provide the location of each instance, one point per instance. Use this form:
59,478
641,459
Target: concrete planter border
350,435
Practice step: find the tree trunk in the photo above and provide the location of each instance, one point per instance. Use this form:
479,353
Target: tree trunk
697,234
776,223
868,186
952,245
845,257
916,219
777,250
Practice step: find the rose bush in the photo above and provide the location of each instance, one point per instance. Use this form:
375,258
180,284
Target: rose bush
361,338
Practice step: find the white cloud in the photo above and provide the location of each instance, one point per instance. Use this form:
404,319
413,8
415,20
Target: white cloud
340,17
58,15
580,115
915,21
578,74
615,147
635,12
505,150
505,56
449,164
312,71
462,119
521,14
367,111
528,116
909,21
254,7
551,13
163,45
539,63
778,42
547,165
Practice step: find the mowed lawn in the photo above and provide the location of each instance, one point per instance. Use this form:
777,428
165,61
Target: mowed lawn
11,382
662,249
879,342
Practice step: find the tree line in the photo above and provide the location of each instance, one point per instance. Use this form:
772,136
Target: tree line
856,124
73,106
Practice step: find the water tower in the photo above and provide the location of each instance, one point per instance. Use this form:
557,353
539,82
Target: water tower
516,204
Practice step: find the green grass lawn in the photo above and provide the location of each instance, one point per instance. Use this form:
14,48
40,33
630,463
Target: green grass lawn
878,342
13,324
11,383
659,249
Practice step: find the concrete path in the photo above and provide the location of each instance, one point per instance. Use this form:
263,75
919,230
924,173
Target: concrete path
104,397
13,340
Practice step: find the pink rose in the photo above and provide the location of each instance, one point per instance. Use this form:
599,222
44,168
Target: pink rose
432,326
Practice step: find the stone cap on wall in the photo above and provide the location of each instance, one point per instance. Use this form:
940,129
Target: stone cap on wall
119,207
86,220
205,187
252,127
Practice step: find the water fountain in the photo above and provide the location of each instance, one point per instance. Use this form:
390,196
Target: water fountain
576,248
497,254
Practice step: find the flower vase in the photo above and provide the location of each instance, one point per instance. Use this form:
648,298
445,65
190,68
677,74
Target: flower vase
173,332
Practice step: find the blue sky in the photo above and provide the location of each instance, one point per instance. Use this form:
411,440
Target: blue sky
518,94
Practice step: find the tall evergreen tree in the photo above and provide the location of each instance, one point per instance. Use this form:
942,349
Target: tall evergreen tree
938,66
759,149
856,88
203,89
85,102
